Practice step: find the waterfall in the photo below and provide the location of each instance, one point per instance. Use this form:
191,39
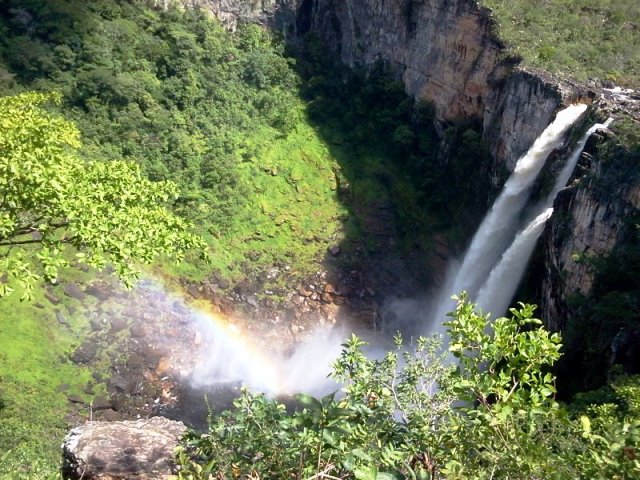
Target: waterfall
499,225
567,170
497,293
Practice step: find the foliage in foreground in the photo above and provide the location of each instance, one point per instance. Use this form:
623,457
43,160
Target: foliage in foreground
52,200
485,409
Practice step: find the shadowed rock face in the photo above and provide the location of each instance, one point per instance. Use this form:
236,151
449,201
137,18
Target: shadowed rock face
141,450
444,51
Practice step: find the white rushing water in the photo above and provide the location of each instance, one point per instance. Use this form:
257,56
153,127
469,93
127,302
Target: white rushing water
497,293
499,225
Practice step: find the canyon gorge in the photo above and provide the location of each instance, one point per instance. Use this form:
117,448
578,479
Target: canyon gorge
447,52
548,161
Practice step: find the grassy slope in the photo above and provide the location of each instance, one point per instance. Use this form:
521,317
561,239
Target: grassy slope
579,38
33,365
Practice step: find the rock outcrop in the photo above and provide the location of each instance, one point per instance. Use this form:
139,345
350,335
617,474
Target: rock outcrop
140,450
276,14
590,221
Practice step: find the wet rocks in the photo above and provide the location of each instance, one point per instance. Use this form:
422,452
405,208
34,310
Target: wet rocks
141,449
61,319
51,297
100,291
101,403
85,353
73,290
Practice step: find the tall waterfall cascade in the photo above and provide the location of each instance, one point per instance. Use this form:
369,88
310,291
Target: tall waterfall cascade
497,293
497,257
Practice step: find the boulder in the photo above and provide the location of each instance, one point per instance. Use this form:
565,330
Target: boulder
51,297
73,290
99,290
140,450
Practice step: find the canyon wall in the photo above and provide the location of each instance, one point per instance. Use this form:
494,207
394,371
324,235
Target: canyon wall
446,52
593,216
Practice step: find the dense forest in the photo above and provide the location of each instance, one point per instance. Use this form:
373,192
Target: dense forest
261,155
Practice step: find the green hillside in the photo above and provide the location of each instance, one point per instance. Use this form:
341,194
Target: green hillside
582,39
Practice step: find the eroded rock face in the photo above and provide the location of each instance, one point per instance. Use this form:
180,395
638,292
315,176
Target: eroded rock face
140,450
278,14
590,220
443,51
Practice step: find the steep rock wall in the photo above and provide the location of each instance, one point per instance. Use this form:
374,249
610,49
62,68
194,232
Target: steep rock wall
590,221
277,14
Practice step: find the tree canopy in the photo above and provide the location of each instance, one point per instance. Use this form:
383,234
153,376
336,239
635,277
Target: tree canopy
55,205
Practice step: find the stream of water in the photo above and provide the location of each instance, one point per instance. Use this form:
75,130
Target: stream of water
497,230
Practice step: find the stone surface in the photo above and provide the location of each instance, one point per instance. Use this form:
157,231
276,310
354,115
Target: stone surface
51,297
277,14
140,450
73,290
589,222
444,51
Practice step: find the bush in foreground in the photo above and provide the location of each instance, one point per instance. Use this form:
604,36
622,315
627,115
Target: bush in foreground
484,409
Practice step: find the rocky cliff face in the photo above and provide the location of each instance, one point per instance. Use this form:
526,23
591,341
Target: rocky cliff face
592,218
277,14
444,51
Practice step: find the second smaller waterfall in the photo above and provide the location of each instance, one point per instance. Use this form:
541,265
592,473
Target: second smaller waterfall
499,226
497,292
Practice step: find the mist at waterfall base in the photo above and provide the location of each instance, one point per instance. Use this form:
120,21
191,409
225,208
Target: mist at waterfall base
211,354
233,357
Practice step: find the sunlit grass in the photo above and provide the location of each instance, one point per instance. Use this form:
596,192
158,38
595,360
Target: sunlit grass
578,38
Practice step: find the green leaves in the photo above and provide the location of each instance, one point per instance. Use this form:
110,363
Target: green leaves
412,415
53,201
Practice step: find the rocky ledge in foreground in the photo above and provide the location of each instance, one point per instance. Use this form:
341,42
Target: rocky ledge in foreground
140,450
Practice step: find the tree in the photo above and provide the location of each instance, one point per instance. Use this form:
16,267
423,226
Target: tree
54,204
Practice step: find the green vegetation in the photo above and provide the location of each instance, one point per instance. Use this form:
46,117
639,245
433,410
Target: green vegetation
165,95
390,151
215,113
52,199
417,415
268,159
577,38
32,420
